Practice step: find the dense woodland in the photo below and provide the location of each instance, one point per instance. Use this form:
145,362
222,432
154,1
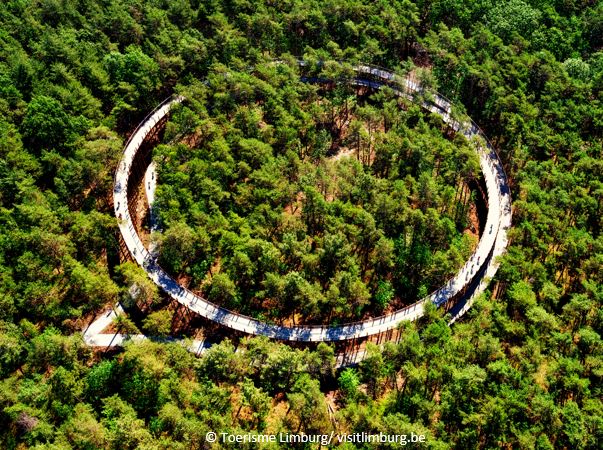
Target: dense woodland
322,206
522,370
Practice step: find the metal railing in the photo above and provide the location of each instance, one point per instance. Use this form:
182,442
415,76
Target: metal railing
348,330
143,122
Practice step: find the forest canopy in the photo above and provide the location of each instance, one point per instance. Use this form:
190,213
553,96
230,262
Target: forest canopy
280,198
522,369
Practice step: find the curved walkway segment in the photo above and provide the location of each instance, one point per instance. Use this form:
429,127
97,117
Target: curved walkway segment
479,269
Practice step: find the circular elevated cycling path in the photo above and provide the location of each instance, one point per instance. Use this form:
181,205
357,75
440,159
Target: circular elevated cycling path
471,280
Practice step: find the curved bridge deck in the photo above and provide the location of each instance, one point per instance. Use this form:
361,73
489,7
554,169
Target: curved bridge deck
475,273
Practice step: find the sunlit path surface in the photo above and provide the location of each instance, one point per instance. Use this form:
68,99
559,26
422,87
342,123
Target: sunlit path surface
470,281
